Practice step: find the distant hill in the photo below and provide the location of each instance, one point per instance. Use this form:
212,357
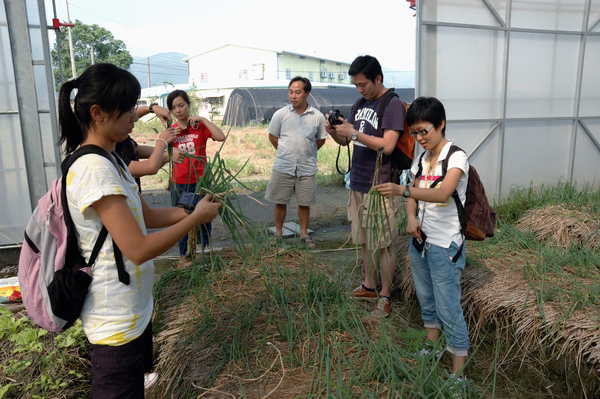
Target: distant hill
164,67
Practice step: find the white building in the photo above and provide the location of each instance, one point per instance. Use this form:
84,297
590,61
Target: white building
216,73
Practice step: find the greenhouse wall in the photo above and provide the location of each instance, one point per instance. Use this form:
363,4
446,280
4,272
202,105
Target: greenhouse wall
520,83
28,150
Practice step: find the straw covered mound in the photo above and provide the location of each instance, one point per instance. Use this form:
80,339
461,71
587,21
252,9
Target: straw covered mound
561,226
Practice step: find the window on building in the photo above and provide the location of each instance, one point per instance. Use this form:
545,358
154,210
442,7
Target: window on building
288,73
310,76
243,74
204,77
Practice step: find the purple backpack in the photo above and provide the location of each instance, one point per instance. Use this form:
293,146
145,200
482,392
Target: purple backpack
53,275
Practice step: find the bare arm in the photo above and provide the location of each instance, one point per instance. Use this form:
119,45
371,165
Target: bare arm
161,112
320,143
440,195
217,133
274,140
139,248
412,224
144,151
156,158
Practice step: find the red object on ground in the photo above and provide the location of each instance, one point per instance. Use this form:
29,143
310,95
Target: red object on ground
15,296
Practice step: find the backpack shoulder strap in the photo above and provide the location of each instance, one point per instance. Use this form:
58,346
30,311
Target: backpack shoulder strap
84,150
420,171
66,164
391,93
358,105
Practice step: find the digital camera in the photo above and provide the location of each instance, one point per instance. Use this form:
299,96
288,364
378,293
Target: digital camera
333,118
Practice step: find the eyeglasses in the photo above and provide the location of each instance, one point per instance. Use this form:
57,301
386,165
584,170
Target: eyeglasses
422,133
132,110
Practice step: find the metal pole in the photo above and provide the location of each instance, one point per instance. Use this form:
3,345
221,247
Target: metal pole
20,47
70,42
61,77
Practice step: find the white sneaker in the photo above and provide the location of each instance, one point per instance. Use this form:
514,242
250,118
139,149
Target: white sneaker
150,379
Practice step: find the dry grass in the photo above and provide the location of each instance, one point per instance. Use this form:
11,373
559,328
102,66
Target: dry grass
561,226
189,357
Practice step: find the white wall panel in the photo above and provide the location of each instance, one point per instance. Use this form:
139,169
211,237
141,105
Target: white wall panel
590,87
461,69
522,87
542,75
535,152
587,162
548,14
462,11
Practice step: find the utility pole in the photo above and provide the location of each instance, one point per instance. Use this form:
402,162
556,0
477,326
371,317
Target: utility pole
92,53
70,42
148,64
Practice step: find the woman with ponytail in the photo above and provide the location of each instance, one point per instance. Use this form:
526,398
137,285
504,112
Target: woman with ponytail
115,316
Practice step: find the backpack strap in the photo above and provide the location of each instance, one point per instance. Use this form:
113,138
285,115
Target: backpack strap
65,166
462,217
387,96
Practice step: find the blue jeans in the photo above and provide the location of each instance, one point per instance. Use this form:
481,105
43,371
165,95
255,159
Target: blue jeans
437,282
205,229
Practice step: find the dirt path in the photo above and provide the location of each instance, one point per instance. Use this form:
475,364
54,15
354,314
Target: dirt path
328,218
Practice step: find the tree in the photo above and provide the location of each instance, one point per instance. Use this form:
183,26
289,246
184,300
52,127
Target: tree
85,38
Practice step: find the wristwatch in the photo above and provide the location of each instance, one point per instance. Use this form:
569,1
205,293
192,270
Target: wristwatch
150,107
406,192
354,136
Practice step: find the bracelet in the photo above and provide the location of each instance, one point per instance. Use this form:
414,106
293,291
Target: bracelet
150,108
163,140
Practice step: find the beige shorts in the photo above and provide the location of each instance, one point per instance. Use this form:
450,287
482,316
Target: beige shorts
281,187
373,223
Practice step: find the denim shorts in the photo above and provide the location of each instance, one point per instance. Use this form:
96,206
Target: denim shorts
118,371
437,282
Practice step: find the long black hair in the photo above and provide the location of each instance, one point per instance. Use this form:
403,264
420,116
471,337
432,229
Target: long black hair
113,89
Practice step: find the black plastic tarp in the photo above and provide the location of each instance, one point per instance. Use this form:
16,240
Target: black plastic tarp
246,106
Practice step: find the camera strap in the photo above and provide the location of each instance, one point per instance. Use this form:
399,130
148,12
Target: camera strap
337,160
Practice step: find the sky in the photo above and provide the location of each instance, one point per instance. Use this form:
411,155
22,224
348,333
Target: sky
335,30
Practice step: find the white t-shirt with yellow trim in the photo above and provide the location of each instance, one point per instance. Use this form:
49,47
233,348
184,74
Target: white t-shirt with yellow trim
113,313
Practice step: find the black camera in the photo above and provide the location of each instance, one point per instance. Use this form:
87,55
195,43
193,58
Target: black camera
333,118
188,201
